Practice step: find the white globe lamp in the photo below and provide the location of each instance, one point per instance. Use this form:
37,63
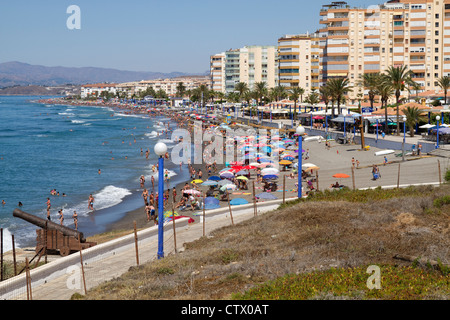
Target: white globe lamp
160,149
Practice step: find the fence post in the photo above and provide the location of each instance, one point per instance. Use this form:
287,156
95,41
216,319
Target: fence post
82,269
1,254
28,280
255,210
45,240
174,232
317,180
229,206
204,215
353,177
439,170
14,254
136,243
398,177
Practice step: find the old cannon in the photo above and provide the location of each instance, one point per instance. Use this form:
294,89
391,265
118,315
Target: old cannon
54,237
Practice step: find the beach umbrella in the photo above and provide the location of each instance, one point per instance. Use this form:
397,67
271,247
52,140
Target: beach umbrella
262,160
210,183
212,203
249,167
242,173
270,177
255,164
238,201
307,165
236,163
266,164
341,175
279,150
266,149
288,158
214,178
242,178
269,171
285,162
288,141
224,182
266,196
312,168
197,181
193,192
228,187
227,175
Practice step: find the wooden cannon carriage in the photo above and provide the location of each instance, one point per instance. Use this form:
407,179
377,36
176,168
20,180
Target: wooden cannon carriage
54,237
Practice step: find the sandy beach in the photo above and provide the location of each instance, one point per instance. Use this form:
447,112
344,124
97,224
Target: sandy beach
349,159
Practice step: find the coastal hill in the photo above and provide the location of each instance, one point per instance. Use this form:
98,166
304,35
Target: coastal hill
22,74
316,248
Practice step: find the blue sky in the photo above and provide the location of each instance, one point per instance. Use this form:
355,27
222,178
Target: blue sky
147,35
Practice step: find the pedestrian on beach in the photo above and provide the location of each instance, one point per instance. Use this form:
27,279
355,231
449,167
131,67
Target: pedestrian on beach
91,202
174,194
61,216
153,182
75,219
145,196
142,181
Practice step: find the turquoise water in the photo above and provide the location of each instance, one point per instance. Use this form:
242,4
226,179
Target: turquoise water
45,147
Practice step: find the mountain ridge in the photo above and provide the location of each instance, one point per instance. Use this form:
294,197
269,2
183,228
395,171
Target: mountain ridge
15,73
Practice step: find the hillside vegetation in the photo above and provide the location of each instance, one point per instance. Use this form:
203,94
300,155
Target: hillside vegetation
317,248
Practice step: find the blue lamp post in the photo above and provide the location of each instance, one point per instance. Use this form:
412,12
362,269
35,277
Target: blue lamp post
404,136
160,149
437,131
300,131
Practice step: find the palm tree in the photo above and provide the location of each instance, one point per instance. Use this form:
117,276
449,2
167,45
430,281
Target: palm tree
241,88
416,87
398,77
260,90
370,81
295,93
385,90
444,83
325,95
220,95
312,98
413,116
278,93
339,87
181,89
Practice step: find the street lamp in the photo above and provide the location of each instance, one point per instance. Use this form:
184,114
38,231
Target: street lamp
404,137
300,131
160,149
437,131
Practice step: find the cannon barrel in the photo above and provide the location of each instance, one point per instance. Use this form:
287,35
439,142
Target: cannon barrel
39,222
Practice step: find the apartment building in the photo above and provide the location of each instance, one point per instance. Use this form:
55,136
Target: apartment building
415,33
217,72
298,61
249,64
168,85
96,89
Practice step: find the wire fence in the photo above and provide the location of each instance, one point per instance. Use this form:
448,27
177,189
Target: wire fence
86,268
46,275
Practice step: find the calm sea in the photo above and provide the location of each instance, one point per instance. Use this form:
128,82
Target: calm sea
45,147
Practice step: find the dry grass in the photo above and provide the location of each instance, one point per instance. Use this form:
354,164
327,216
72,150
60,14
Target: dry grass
297,239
